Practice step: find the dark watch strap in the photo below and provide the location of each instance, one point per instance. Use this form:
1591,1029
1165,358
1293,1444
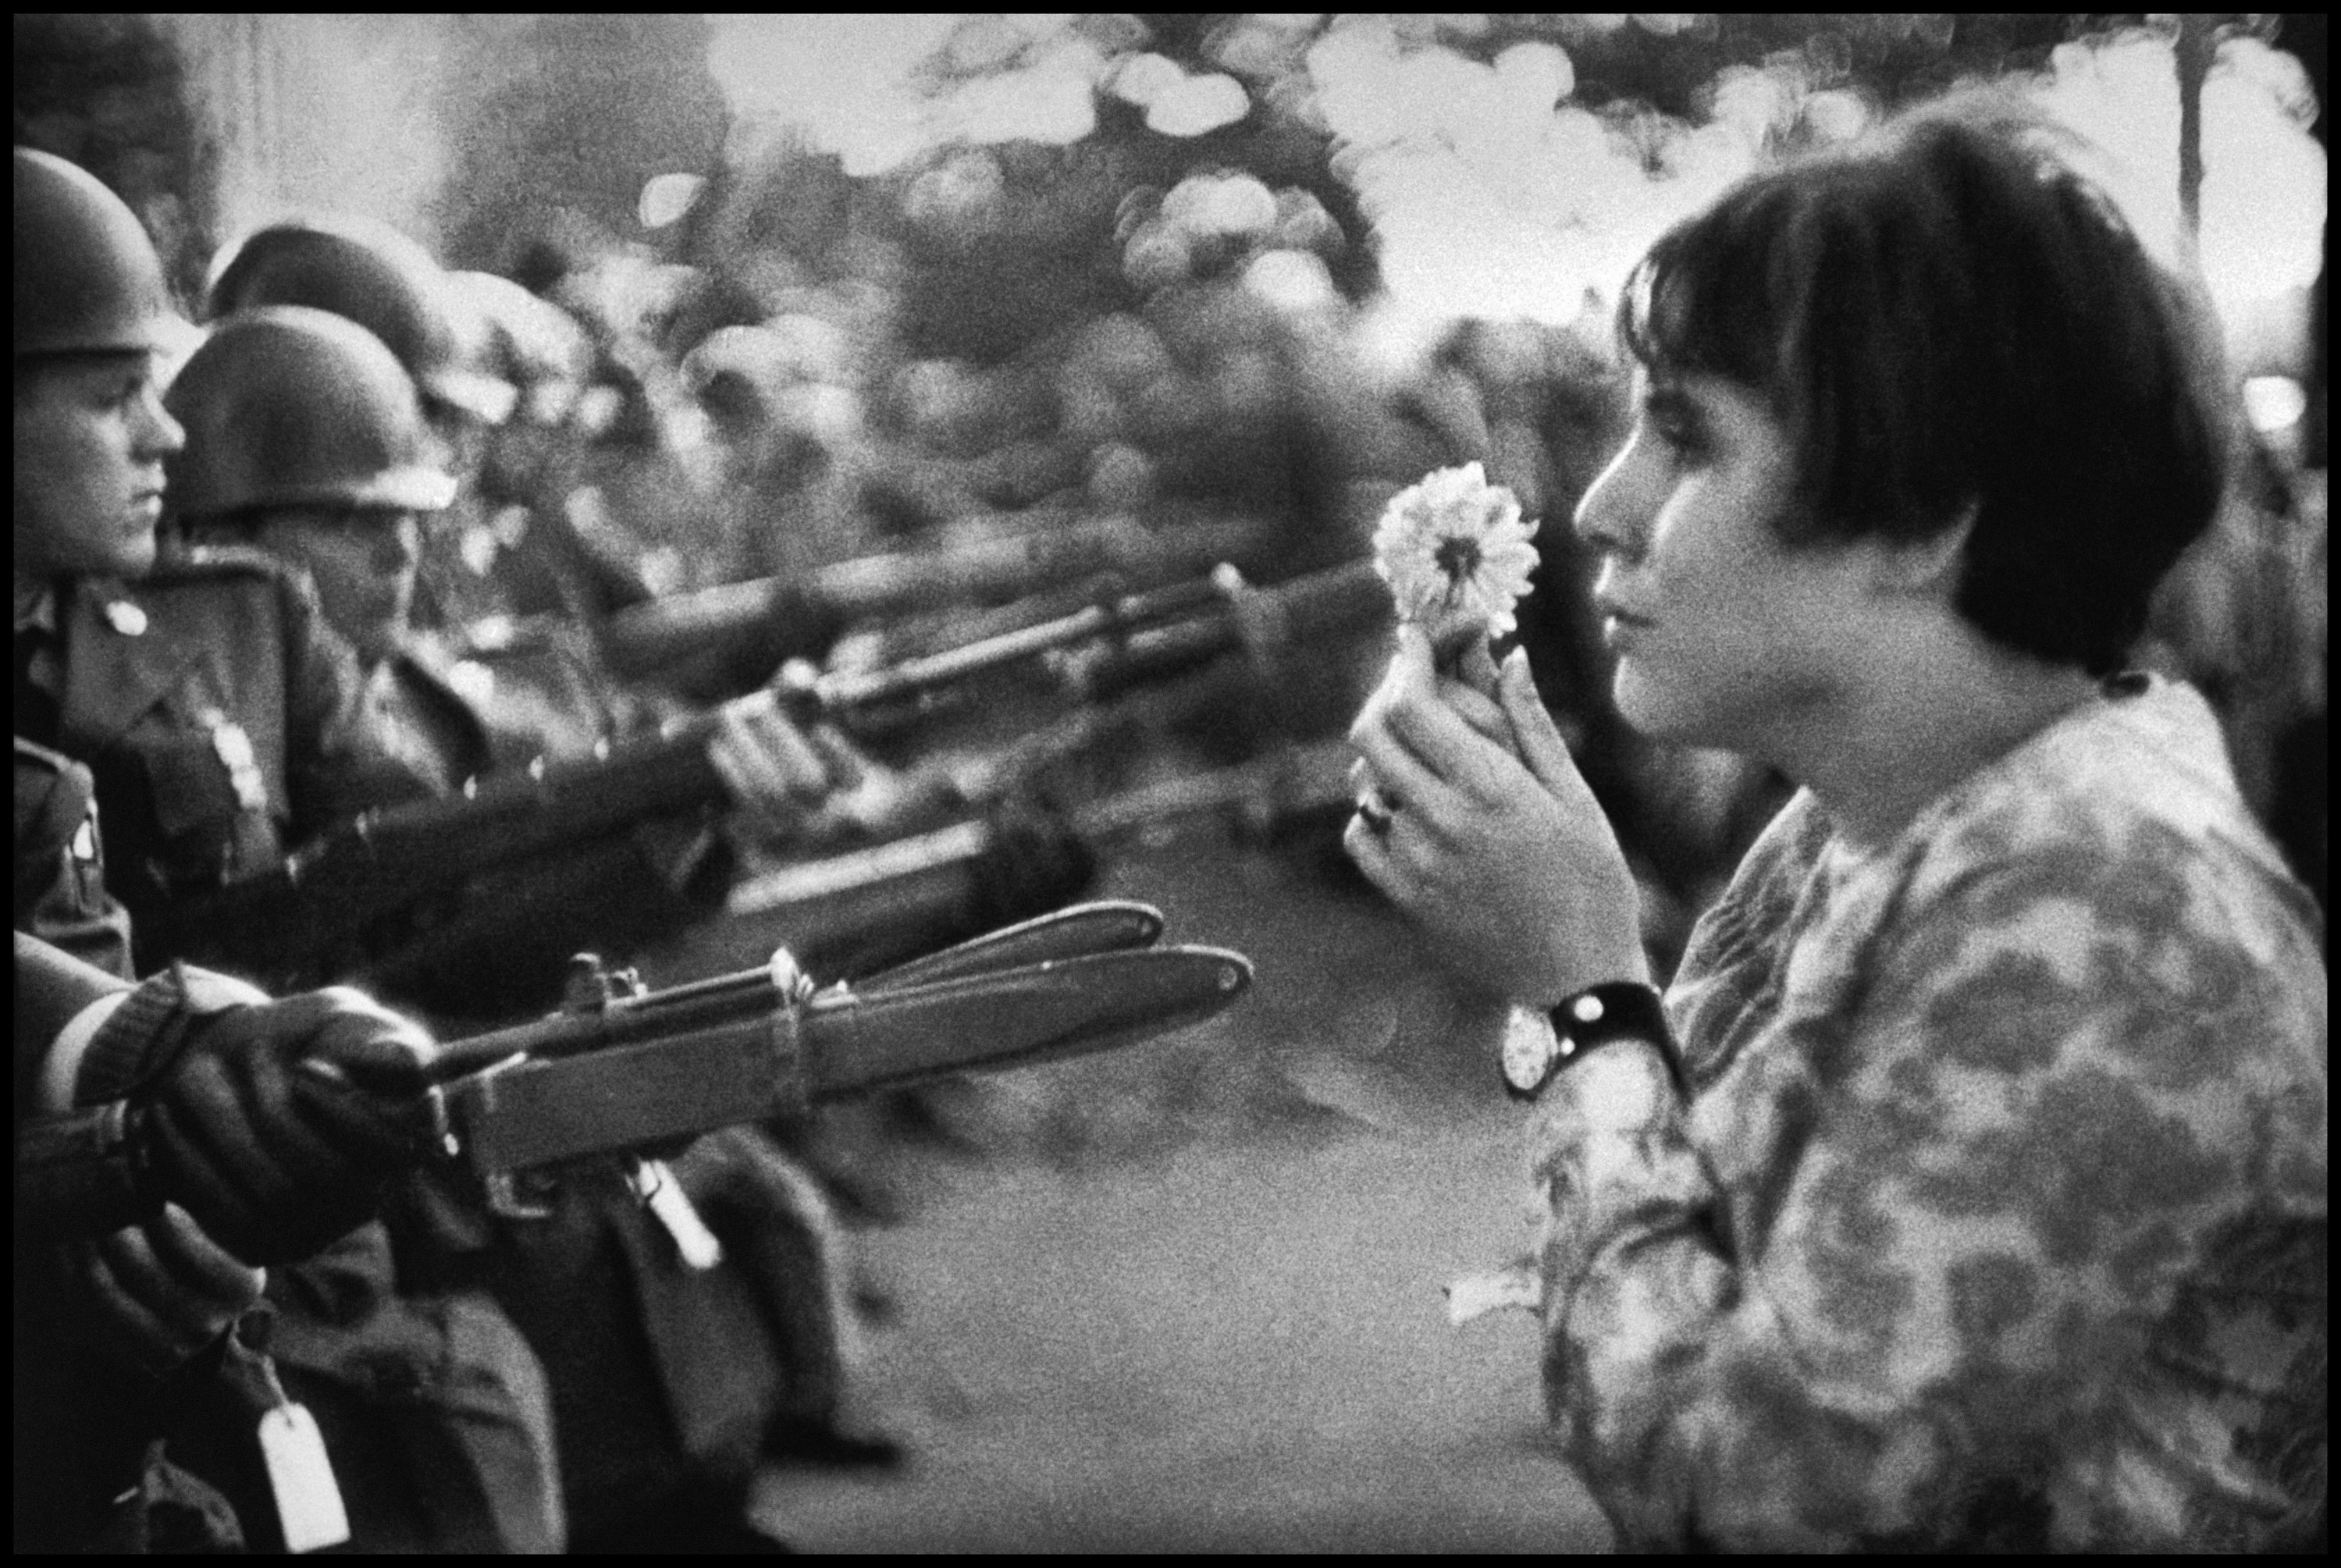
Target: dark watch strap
1621,1010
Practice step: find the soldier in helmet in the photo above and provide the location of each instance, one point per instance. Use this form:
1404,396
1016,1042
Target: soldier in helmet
304,439
384,281
483,555
220,720
669,1368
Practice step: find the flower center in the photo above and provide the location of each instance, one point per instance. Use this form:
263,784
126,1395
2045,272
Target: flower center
1458,558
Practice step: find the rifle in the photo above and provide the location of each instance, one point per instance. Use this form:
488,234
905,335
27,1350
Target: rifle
763,622
294,919
887,898
621,1067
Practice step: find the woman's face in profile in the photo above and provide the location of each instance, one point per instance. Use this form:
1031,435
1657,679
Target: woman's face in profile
1722,634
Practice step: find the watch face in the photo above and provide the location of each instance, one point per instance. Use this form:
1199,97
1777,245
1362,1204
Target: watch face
1529,1051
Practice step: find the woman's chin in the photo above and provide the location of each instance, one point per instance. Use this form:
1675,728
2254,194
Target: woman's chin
1650,707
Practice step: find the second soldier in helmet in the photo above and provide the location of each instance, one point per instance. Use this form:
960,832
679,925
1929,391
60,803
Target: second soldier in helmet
668,1372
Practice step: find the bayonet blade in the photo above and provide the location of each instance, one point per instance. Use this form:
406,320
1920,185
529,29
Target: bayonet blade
987,1022
1107,926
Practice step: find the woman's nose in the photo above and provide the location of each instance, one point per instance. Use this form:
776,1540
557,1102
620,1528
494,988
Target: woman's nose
1613,515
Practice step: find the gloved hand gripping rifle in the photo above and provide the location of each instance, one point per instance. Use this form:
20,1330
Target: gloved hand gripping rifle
622,1069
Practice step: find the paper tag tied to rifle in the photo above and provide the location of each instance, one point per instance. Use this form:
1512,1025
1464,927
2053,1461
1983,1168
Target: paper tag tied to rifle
233,748
696,1244
308,1498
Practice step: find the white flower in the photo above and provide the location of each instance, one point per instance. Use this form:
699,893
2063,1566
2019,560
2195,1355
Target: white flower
1456,554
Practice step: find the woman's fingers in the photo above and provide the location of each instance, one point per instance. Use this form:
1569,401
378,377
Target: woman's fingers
1540,744
1477,668
1478,711
1450,750
1370,849
1397,775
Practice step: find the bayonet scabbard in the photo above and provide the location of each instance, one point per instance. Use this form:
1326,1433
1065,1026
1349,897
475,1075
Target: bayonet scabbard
533,1111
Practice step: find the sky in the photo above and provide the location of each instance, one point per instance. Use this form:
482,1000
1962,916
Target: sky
1490,191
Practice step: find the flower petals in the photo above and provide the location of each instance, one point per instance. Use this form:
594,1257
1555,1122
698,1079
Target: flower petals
1415,543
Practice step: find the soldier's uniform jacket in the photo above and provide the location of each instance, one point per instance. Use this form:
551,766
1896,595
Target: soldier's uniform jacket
457,709
220,718
457,706
61,895
224,721
1997,1213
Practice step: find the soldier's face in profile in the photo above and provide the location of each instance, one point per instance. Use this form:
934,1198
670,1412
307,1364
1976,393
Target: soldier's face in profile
363,561
90,437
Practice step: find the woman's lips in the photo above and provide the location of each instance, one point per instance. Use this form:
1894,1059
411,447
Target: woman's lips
1618,624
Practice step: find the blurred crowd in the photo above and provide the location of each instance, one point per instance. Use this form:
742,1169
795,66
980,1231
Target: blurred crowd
678,426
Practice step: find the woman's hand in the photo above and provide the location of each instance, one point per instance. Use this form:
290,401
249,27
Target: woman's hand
1497,851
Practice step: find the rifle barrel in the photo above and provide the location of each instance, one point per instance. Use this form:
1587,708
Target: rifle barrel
782,616
386,859
725,998
1291,782
1307,609
841,695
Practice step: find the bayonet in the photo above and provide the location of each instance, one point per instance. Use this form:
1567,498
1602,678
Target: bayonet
621,1067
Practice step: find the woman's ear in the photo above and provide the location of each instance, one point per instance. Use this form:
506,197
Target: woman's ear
1928,567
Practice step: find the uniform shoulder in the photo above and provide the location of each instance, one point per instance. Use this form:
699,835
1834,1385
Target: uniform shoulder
207,580
37,761
52,793
210,561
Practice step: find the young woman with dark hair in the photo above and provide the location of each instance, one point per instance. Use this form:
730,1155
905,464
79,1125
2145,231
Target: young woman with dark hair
1968,1185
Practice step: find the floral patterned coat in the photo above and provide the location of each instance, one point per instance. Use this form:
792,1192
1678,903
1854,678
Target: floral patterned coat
1996,1214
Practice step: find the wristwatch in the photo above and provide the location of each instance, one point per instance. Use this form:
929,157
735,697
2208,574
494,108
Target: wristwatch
1620,1010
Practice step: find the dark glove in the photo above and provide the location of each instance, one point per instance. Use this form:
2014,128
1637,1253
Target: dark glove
276,1124
161,1292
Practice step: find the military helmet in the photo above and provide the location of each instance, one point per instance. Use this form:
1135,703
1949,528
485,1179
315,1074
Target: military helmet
87,278
380,279
288,406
